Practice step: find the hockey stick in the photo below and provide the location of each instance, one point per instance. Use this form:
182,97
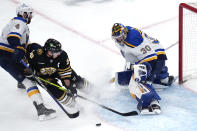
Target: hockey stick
132,113
74,115
122,114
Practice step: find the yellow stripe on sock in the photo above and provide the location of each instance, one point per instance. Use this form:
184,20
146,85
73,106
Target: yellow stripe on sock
33,92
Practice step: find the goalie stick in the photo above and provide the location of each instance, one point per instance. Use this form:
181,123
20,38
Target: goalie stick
74,115
132,113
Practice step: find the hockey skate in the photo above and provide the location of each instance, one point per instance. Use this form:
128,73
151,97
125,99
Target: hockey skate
153,108
164,84
168,81
171,80
20,86
44,113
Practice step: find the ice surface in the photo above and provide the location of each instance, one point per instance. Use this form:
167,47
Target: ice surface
84,28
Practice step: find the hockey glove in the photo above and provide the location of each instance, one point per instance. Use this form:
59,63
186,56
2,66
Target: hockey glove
18,55
72,90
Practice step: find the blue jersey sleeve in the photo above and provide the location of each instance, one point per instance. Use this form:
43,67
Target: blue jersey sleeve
134,37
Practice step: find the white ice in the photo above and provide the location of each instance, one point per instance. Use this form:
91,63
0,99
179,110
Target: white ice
84,29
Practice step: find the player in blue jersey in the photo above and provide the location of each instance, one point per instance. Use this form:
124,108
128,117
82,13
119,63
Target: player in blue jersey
153,51
142,60
15,36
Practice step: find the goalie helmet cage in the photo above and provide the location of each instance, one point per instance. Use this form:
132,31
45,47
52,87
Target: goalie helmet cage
187,41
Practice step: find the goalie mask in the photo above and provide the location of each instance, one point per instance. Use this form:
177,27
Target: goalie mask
25,12
119,33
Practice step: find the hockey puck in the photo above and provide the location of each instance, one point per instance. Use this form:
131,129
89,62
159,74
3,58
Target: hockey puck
98,124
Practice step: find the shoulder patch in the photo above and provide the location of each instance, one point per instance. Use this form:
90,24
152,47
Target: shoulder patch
39,51
31,55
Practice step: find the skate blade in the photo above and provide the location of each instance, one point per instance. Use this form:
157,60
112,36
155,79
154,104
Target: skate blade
147,112
157,111
47,117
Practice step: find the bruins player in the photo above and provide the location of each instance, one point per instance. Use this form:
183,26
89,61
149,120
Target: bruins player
51,63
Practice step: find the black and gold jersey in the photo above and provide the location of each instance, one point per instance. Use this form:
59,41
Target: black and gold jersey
47,67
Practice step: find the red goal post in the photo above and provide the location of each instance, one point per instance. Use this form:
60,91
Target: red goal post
187,41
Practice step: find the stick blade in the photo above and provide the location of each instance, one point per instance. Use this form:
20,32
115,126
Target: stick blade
74,115
132,113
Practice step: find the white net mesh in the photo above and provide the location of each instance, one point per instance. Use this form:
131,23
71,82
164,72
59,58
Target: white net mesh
189,43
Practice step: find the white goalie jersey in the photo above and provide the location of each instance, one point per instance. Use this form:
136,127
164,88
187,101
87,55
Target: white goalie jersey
138,47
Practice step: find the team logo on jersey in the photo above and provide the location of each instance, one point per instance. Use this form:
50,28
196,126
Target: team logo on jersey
31,55
47,70
17,26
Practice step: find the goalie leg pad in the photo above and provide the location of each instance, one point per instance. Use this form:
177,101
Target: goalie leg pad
136,89
144,93
147,97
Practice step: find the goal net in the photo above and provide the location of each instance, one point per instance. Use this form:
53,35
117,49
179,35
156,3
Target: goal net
187,41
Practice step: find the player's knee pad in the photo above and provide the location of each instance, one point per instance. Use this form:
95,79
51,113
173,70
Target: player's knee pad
138,89
153,92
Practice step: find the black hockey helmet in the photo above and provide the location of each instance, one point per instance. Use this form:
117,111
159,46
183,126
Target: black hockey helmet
52,45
